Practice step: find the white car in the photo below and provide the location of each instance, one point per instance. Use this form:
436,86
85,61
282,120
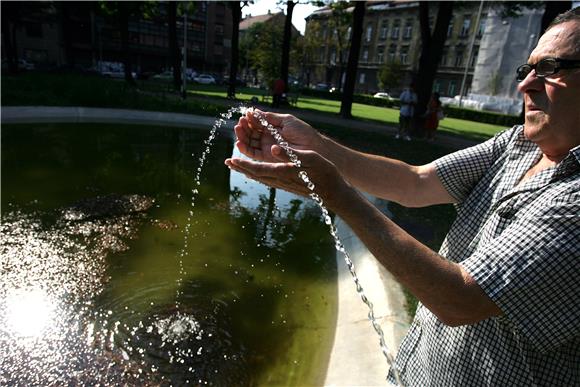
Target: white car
383,95
205,79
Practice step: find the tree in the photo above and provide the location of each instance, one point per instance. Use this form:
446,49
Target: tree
259,45
339,24
357,28
13,14
431,49
236,8
390,74
174,54
287,37
120,12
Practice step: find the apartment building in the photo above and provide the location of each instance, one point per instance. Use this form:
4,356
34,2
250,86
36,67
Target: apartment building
391,32
79,30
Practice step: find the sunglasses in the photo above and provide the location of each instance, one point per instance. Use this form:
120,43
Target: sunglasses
545,67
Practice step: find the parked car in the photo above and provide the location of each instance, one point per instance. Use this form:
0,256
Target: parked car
383,95
205,79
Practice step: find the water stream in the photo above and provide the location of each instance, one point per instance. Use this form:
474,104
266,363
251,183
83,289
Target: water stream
338,243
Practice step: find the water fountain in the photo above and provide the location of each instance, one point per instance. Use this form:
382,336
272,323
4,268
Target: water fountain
120,337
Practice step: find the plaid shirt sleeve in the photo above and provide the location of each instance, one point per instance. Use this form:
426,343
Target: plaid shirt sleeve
532,271
460,171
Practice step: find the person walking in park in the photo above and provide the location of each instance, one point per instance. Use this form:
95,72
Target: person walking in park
433,115
408,100
499,302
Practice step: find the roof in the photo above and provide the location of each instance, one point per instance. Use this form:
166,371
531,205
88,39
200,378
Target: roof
251,20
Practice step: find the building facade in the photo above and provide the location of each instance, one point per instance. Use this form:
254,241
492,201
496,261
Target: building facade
78,33
392,32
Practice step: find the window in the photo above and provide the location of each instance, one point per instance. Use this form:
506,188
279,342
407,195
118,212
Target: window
451,88
437,86
392,53
443,60
395,31
219,29
369,34
384,29
450,28
458,58
348,33
218,49
381,54
333,57
404,57
408,29
362,78
465,28
481,29
473,60
365,55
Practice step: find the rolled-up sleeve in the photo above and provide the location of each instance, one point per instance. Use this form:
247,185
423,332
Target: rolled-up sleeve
460,171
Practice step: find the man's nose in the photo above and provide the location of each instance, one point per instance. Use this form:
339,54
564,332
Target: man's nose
531,82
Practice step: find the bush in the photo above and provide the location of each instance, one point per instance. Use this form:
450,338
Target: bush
481,116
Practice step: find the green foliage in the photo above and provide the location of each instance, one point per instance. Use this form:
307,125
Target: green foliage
36,89
390,75
482,116
259,48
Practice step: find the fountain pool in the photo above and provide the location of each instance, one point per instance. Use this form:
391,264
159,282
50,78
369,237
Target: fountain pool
94,289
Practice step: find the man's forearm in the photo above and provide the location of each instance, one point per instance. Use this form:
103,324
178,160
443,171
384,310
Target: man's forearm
386,178
442,286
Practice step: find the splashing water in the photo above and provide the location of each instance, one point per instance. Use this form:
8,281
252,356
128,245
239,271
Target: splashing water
338,243
224,117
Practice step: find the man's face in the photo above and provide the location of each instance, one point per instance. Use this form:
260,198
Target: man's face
552,113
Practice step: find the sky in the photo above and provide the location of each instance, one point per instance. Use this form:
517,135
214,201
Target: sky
261,7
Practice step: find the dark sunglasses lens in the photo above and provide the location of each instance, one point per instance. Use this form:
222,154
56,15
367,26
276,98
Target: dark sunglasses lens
546,67
522,72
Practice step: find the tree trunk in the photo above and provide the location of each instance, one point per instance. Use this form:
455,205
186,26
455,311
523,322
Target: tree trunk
431,49
124,27
553,9
65,24
174,54
10,49
286,42
236,17
357,29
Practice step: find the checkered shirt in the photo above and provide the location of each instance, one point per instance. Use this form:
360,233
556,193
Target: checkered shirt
521,244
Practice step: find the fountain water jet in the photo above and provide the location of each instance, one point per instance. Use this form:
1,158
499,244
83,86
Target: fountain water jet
338,243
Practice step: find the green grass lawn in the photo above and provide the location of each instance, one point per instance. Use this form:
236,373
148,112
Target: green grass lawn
389,116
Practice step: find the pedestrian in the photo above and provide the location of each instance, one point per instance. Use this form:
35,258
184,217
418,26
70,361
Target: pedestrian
433,114
499,302
408,100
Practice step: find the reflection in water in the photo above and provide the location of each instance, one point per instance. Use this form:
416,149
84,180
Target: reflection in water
28,312
88,291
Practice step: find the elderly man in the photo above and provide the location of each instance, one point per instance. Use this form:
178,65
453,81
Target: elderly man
499,303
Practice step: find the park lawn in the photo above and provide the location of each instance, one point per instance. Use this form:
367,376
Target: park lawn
389,116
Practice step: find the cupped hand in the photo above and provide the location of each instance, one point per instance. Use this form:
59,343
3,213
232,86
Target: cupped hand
281,173
255,141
